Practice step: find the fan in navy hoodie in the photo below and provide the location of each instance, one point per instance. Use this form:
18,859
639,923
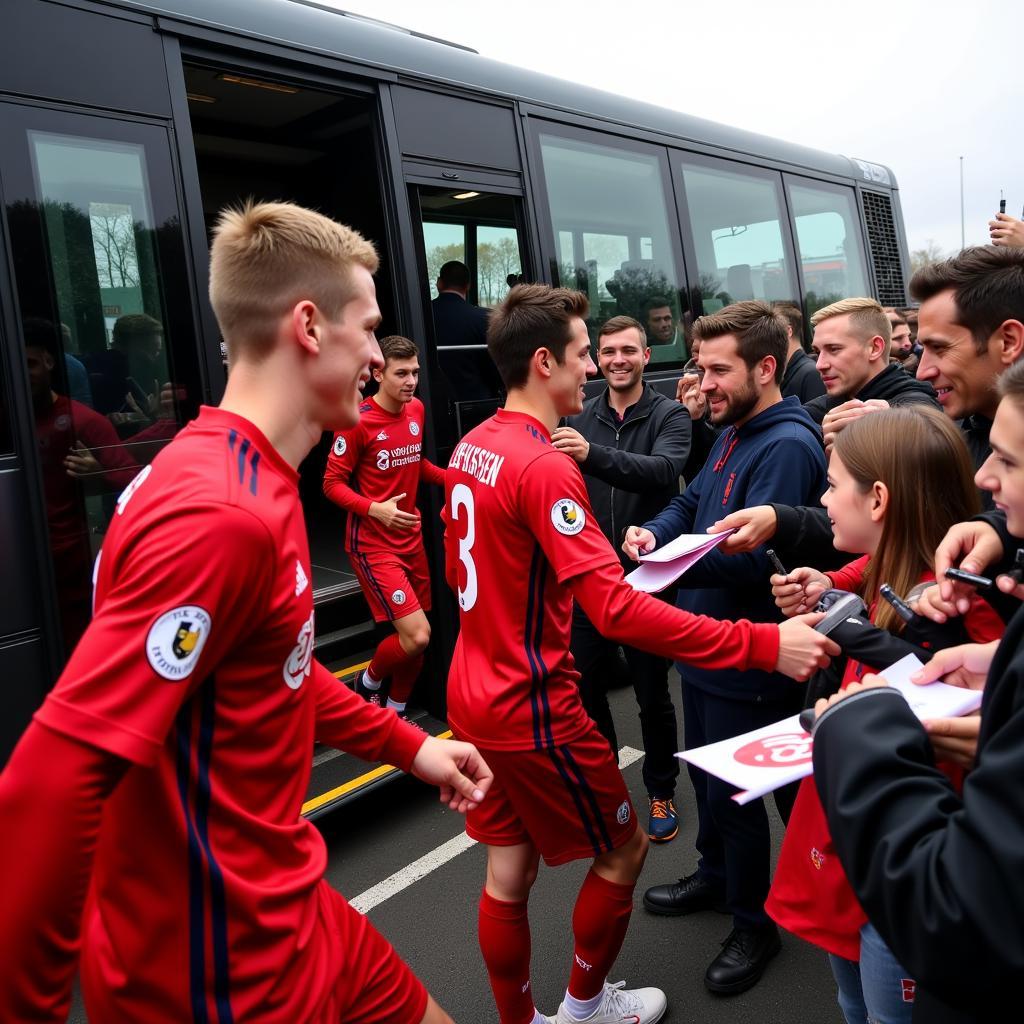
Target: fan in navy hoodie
770,451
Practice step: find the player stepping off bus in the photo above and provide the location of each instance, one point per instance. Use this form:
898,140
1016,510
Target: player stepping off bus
374,472
521,542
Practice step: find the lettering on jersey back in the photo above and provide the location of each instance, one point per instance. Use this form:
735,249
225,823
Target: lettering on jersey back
137,482
479,463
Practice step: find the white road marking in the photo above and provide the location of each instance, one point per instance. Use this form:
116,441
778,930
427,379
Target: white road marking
429,862
628,756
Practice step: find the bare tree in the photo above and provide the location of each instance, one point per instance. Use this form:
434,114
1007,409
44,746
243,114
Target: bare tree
113,237
931,253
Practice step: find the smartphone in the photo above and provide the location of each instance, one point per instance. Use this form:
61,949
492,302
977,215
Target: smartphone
1002,206
981,582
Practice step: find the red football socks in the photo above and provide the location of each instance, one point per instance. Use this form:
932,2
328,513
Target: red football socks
388,656
403,677
504,933
599,923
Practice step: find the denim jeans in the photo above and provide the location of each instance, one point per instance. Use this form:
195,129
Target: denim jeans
877,990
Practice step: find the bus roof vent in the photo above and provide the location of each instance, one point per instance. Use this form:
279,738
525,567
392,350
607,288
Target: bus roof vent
885,248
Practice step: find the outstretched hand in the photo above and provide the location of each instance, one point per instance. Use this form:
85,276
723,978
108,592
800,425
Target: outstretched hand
753,527
457,769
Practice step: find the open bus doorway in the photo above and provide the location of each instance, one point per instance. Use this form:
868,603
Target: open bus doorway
269,139
482,231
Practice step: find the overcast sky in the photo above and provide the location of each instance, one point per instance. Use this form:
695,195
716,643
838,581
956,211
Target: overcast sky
907,83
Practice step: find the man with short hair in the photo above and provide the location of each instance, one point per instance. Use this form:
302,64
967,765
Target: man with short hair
631,444
521,544
851,342
458,324
169,763
801,377
902,351
660,322
971,329
771,451
373,472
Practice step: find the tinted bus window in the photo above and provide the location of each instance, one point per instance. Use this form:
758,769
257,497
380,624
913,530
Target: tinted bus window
611,228
96,341
738,232
829,243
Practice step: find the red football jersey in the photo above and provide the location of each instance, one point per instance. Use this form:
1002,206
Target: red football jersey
375,460
198,669
518,527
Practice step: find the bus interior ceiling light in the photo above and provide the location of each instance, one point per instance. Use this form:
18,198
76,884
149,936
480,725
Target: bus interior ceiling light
465,195
258,84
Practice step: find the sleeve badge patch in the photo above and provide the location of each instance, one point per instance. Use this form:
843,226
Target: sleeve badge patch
176,640
567,517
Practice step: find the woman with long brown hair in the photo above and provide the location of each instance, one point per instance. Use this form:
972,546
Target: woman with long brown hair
897,481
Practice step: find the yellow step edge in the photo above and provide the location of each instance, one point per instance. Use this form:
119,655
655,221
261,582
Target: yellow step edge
338,792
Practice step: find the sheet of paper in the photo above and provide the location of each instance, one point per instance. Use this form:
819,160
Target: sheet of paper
760,761
685,544
658,569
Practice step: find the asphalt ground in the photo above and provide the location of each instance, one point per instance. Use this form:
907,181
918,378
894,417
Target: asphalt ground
432,920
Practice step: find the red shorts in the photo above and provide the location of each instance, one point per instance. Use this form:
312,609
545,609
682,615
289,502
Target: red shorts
394,585
570,801
375,985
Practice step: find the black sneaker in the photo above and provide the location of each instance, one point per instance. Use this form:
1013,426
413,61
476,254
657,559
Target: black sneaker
686,896
364,691
744,957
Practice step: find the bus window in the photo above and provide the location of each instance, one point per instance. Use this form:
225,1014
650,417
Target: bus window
96,334
476,230
611,225
829,242
738,234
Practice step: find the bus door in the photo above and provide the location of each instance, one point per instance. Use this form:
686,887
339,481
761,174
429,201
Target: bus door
262,132
102,335
482,230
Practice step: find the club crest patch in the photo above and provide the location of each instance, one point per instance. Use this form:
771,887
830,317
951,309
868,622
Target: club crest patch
567,517
383,460
340,445
398,597
414,428
622,814
176,640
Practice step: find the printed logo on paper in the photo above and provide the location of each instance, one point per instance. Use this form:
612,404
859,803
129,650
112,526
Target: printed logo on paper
781,751
567,517
176,640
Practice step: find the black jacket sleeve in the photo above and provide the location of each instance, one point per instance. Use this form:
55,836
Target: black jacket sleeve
660,469
941,877
803,536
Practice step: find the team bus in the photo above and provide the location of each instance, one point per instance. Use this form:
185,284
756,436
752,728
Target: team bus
126,125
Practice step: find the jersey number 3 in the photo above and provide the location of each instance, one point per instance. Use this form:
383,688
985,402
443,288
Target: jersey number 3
462,499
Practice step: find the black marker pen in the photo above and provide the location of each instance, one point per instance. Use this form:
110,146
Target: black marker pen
902,609
774,559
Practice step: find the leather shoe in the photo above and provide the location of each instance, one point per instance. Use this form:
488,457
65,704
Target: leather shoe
744,957
686,896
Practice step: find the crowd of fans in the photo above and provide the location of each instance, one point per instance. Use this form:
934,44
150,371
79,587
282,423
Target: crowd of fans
893,861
